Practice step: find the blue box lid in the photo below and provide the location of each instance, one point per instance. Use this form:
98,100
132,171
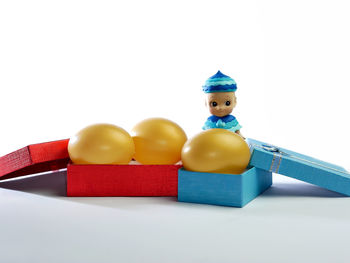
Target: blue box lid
305,168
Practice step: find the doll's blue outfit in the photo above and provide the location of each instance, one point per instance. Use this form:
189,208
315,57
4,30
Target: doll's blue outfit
228,122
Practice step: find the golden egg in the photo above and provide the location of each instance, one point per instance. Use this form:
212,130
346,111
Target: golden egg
158,141
216,151
101,144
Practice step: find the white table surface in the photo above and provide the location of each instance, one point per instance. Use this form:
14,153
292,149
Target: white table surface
291,222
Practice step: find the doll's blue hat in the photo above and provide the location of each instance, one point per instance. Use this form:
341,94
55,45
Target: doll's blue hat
219,83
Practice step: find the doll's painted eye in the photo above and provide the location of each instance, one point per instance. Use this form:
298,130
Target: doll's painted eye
214,104
228,103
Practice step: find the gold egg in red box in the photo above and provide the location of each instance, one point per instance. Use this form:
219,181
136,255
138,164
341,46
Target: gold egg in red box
101,144
158,141
158,148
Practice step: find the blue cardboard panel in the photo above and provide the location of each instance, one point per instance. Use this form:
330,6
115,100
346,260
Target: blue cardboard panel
222,189
254,182
299,166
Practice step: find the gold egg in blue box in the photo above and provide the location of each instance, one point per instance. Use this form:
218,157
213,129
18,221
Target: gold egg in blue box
215,170
216,151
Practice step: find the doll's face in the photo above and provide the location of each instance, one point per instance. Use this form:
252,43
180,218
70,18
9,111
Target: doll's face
221,103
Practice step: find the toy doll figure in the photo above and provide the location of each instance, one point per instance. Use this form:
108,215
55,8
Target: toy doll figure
221,100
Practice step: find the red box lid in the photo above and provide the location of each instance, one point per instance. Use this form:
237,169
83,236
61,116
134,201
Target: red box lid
35,158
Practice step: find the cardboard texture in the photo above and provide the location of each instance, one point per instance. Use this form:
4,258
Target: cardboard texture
122,180
222,189
35,158
299,166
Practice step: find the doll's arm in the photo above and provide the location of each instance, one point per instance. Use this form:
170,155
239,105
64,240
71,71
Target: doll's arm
208,125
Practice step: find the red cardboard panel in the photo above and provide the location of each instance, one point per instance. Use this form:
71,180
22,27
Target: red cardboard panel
122,180
35,158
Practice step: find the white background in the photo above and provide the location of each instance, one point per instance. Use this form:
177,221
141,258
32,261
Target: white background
67,64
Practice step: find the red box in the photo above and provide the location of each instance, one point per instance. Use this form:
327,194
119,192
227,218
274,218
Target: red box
91,180
122,180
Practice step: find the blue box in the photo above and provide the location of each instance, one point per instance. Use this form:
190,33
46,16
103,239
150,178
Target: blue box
302,167
239,189
222,189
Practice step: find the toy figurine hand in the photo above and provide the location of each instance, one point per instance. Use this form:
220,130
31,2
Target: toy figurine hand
240,134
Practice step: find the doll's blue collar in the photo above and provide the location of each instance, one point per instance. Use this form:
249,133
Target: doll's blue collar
226,118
